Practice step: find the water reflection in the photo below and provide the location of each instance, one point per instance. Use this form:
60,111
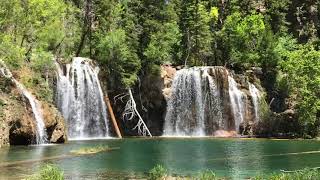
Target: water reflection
243,158
235,158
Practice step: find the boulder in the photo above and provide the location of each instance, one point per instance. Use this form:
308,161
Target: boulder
54,123
19,119
167,75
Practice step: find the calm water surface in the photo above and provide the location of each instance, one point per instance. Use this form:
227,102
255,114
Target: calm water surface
234,158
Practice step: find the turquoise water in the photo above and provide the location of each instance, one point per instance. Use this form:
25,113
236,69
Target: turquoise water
234,158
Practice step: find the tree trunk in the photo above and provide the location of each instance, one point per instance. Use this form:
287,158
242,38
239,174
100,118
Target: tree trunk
114,121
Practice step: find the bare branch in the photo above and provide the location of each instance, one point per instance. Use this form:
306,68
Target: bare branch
131,111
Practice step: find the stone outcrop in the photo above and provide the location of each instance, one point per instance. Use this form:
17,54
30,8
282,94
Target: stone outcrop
284,124
155,88
151,98
17,118
17,123
55,125
167,75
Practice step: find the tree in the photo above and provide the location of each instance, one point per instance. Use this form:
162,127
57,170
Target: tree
277,11
113,50
160,48
32,33
302,66
244,37
195,21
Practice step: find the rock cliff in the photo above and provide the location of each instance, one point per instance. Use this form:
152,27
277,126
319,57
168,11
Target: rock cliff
17,123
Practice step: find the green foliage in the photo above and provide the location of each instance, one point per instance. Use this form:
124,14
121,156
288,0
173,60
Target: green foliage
277,11
214,14
197,39
245,37
11,53
32,34
114,48
131,38
116,53
157,173
48,172
207,175
38,24
42,61
305,174
160,49
302,67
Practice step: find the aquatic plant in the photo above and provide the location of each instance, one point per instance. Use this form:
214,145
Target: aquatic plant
48,172
158,172
206,175
91,150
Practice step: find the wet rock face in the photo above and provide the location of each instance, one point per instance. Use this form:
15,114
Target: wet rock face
167,75
54,123
22,131
155,90
284,124
17,123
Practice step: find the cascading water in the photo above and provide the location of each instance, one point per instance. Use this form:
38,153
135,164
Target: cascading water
41,136
80,99
206,101
237,102
195,107
255,94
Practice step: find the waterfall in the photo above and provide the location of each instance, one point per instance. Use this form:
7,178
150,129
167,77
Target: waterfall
255,94
195,107
237,102
207,101
80,99
41,136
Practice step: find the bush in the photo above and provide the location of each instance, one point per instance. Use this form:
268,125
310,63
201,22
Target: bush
302,67
48,172
207,175
157,173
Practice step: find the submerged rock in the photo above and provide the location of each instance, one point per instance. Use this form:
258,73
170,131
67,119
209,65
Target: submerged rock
223,133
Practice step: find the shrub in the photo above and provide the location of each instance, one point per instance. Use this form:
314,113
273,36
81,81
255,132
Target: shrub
48,172
157,173
207,175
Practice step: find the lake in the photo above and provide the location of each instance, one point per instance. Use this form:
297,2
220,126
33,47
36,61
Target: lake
236,158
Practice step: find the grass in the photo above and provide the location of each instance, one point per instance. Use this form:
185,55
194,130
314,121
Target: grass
52,172
48,172
207,175
160,173
305,174
91,150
